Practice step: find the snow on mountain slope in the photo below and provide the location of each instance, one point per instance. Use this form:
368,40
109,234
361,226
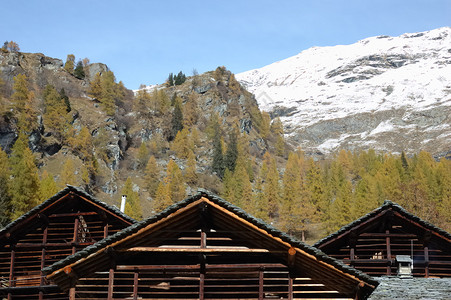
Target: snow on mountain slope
387,93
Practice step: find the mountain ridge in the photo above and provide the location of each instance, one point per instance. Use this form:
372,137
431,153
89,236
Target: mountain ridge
388,93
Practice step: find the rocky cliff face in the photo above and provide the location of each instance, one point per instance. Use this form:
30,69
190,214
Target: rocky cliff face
387,93
116,139
42,70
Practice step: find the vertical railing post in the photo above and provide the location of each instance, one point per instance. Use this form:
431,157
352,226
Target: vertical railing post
135,285
387,241
11,267
110,284
260,283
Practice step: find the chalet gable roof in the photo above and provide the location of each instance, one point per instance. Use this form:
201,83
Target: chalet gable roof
222,213
378,212
58,199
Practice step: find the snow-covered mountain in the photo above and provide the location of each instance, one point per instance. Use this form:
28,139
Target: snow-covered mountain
386,93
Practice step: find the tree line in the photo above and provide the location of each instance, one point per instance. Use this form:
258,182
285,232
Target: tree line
290,190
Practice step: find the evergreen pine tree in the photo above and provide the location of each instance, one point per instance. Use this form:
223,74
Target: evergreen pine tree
171,79
218,159
177,118
231,154
79,71
65,99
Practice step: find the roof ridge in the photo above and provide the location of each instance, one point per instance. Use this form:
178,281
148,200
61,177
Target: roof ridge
58,195
386,204
224,203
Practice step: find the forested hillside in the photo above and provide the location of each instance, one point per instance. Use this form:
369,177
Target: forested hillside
158,145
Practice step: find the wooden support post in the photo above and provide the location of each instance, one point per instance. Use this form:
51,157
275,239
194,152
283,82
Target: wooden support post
135,285
291,263
110,284
44,241
41,282
352,255
202,259
41,295
75,238
387,241
358,293
426,238
426,261
291,257
352,243
201,286
290,287
11,267
72,293
260,284
203,239
105,230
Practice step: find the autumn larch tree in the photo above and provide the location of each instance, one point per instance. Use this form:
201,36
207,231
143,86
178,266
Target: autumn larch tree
47,187
152,176
70,63
24,186
133,204
5,197
55,116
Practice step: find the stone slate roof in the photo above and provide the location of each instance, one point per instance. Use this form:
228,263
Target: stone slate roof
59,195
392,287
227,205
387,205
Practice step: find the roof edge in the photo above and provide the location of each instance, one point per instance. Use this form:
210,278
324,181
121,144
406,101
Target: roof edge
223,203
387,204
59,195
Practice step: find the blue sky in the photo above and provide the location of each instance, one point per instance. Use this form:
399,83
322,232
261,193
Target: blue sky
143,41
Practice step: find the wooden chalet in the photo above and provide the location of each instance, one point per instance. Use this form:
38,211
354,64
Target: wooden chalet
373,243
205,248
55,229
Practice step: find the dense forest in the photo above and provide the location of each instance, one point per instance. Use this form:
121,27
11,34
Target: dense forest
250,166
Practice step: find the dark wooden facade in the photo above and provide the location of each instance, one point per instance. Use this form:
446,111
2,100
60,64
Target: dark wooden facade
371,243
59,227
205,248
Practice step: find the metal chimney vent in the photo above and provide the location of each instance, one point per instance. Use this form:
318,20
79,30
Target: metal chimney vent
124,199
405,265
